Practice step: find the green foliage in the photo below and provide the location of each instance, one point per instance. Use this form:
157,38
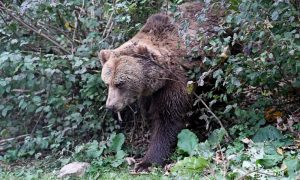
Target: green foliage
187,141
216,138
267,133
105,153
260,70
52,96
190,165
264,64
116,142
50,85
293,167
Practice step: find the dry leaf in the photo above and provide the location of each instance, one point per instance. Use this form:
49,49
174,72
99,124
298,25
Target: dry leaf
167,168
247,141
219,159
280,151
272,114
283,167
190,87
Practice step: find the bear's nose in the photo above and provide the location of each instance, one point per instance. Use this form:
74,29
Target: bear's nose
110,107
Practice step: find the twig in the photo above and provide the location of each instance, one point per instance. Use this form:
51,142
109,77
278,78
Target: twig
255,171
40,117
77,17
108,25
3,19
224,162
213,114
27,91
103,117
109,30
40,92
20,90
14,138
42,24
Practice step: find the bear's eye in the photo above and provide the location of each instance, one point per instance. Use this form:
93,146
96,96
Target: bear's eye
119,85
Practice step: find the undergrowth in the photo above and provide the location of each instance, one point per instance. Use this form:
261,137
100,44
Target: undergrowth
52,97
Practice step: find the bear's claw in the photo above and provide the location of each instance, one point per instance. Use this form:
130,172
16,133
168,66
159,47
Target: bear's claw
142,167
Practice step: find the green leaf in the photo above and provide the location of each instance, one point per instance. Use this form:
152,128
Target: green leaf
235,81
269,161
119,158
296,83
4,133
268,133
216,137
93,150
204,150
293,166
275,15
37,100
116,142
3,83
5,110
190,165
187,141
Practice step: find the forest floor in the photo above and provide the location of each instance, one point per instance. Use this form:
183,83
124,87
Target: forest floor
30,170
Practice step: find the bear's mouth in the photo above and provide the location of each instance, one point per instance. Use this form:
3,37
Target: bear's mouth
120,107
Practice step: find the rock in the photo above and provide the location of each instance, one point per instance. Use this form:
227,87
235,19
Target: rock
73,169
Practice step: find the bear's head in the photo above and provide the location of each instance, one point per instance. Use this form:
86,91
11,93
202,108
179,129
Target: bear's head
124,78
129,76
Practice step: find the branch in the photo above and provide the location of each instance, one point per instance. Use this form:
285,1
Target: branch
255,171
28,91
214,115
22,22
14,138
109,25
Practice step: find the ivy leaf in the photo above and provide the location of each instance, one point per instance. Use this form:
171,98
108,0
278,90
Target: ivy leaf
216,137
187,141
93,150
235,81
269,161
5,110
268,133
293,166
296,83
204,150
275,15
190,165
116,142
119,158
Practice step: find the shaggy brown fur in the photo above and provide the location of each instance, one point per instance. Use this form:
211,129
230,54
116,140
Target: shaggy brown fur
147,69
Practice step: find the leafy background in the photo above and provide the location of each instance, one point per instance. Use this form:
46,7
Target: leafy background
52,97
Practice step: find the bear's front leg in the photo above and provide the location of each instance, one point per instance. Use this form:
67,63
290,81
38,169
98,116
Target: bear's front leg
163,139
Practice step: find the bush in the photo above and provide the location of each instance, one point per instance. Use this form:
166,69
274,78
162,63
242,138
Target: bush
51,92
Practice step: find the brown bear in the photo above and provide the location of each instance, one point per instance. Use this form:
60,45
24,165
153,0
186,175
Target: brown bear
147,69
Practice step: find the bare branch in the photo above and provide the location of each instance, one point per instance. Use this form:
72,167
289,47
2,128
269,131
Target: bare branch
214,115
14,138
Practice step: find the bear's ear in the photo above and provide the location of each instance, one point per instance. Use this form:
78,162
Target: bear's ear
104,56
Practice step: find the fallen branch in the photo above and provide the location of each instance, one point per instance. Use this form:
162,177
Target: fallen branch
255,171
28,91
14,138
20,90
